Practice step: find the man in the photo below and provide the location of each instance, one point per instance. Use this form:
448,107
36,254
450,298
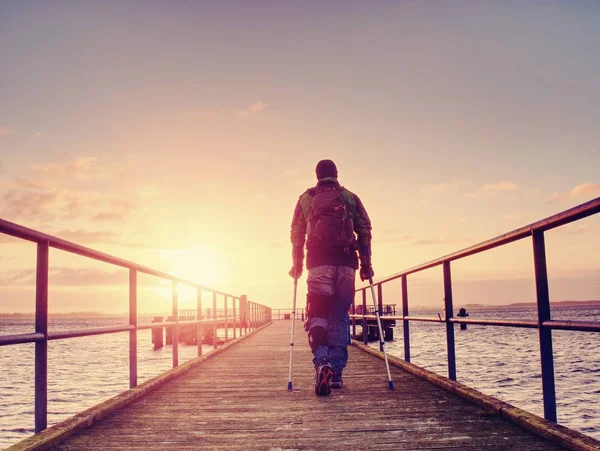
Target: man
335,224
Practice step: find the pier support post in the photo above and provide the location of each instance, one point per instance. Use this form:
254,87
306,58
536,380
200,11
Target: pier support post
157,333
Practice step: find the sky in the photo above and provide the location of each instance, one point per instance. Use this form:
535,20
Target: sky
179,135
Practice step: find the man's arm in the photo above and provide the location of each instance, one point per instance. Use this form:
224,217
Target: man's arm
298,232
298,237
362,227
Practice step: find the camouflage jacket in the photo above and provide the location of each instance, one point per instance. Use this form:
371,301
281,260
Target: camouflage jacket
356,213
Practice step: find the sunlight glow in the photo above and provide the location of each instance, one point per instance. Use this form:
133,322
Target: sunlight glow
199,265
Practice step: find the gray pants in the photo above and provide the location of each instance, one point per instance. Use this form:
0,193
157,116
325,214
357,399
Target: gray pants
336,281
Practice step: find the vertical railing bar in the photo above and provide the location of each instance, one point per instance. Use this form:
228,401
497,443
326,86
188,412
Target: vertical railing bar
449,308
199,317
244,312
405,322
354,319
133,373
380,310
41,347
545,333
215,341
234,318
175,328
364,321
226,315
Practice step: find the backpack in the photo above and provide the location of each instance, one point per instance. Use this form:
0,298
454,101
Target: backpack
328,224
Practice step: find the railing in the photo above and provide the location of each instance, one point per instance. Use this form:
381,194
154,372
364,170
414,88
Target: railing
248,315
544,323
286,313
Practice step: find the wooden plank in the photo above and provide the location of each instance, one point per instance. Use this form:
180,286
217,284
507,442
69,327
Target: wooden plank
240,401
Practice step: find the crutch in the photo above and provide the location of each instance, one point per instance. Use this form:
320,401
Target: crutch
293,327
381,339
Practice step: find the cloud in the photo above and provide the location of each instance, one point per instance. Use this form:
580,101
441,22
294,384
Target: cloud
85,236
5,131
438,188
66,277
257,107
578,229
82,168
496,187
395,236
47,193
28,205
48,204
493,188
584,191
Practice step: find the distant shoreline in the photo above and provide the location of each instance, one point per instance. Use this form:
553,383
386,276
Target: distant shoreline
471,306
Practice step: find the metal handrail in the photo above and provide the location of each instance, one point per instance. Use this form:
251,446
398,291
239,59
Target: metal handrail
246,317
544,323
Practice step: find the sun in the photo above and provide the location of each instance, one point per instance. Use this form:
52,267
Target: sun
201,265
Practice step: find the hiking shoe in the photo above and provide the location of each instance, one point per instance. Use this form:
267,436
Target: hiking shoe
323,376
336,380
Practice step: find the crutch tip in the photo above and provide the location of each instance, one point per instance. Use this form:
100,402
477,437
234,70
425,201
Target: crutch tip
390,385
289,386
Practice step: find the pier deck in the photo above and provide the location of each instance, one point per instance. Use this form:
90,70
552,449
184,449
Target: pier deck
240,401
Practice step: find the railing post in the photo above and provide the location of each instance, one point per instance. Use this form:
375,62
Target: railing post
133,333
226,315
244,314
175,328
405,322
199,317
380,310
215,340
545,333
233,298
364,321
41,347
449,326
354,319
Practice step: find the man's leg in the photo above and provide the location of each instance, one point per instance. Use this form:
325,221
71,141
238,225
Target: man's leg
319,300
338,317
321,280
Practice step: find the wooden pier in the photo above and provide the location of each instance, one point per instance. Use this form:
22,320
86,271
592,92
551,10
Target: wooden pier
239,401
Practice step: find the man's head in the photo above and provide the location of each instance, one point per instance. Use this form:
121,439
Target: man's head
326,168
